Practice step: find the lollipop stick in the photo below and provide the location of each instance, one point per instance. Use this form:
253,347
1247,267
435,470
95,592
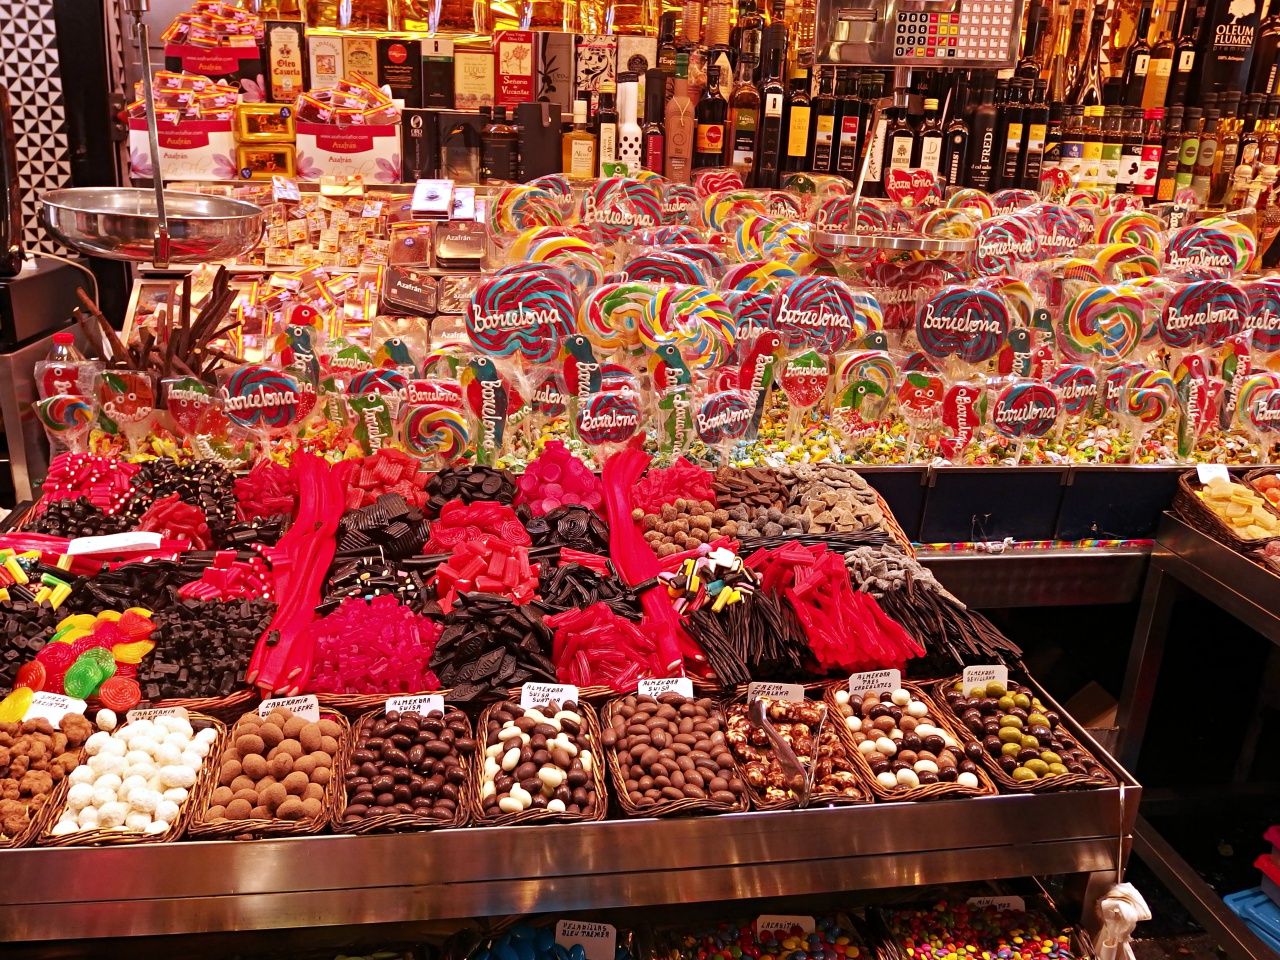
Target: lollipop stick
1017,451
911,443
1138,436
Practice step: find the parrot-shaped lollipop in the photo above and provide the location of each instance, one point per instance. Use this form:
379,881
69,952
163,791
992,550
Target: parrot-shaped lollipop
300,350
395,353
492,399
668,368
758,373
582,371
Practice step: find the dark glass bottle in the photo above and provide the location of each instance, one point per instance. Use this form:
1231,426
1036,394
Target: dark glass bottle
1012,132
773,96
666,57
1186,53
1264,71
709,118
955,149
1036,123
1137,61
1190,147
1202,171
1166,180
748,34
982,140
744,122
822,134
1072,154
1028,67
1130,151
799,118
1112,145
1160,70
1087,88
847,129
499,149
1144,184
653,135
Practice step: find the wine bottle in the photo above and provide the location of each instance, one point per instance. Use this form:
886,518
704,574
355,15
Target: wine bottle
654,133
773,96
1087,89
744,122
712,109
1036,121
982,141
666,60
1028,67
1186,53
607,127
1137,61
749,39
1264,71
1156,87
680,125
956,136
899,138
847,130
1130,166
1167,177
1009,141
1230,129
1269,140
929,140
1073,59
824,124
798,121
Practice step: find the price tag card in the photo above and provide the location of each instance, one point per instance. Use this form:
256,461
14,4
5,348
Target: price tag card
874,681
1000,903
1211,471
791,692
540,694
423,704
599,940
656,688
342,186
52,706
151,713
113,543
983,674
306,706
782,923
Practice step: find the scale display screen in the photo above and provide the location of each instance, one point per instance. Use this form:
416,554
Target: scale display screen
957,33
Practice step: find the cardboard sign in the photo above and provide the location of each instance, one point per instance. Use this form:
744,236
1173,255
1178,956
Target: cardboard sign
599,940
874,681
983,674
656,688
540,694
783,923
791,692
189,150
422,704
371,152
1000,903
52,707
306,706
151,713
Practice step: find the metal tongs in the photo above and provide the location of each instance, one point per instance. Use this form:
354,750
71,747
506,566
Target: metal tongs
798,779
136,9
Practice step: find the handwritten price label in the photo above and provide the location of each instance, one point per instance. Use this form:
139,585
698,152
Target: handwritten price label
874,681
782,923
540,694
52,707
1000,903
983,674
153,713
1211,471
656,688
791,692
599,940
423,704
306,706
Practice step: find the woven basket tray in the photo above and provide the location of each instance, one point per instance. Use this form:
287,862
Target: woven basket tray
894,530
197,799
223,829
43,817
591,730
400,822
758,802
1190,508
1067,781
664,808
926,791
228,709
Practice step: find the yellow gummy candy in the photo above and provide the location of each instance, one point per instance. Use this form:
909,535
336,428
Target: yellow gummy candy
132,652
140,611
71,636
109,615
80,621
15,705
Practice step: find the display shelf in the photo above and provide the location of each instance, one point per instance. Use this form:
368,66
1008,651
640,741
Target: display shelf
227,885
1057,577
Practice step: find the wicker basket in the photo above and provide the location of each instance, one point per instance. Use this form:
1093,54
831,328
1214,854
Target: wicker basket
400,822
1188,506
223,829
894,530
42,819
665,808
197,799
758,802
590,729
228,709
1066,781
926,791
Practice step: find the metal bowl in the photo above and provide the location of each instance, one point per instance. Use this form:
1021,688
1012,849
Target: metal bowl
119,223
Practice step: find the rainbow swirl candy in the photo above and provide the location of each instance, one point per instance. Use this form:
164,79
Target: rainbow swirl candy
757,276
68,417
1077,268
679,200
615,206
1214,248
1015,292
1264,313
817,312
525,241
554,183
1077,387
384,380
752,311
715,180
667,236
948,223
445,361
522,206
1138,227
1114,381
1087,197
1127,261
970,324
612,417
862,375
258,396
724,416
578,258
430,430
524,314
610,314
974,200
1025,410
870,314
1102,322
664,267
1012,199
1147,405
719,211
1004,242
1254,398
707,255
781,203
1204,312
835,213
1153,378
1060,228
695,319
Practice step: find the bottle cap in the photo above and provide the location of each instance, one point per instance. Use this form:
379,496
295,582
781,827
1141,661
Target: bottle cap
64,338
579,111
931,103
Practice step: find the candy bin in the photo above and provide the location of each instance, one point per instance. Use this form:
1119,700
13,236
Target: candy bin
41,783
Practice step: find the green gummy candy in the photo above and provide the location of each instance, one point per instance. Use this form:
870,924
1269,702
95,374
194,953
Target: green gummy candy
83,678
102,657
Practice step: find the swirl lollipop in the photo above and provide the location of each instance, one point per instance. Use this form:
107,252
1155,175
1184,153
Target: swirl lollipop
523,315
974,200
1204,312
1102,322
434,432
864,387
1259,412
714,180
1138,227
1214,248
522,206
1012,199
1060,228
615,206
1004,242
67,419
818,312
752,312
1144,408
757,276
971,325
1254,387
723,418
549,398
1025,410
664,267
695,319
610,314
679,200
262,399
608,419
1264,314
